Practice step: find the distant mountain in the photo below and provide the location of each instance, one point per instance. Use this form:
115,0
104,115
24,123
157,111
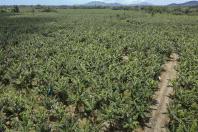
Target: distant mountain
144,4
99,3
173,4
190,3
141,4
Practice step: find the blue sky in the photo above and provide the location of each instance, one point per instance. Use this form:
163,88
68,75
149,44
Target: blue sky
70,2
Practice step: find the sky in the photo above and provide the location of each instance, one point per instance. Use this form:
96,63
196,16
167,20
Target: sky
71,2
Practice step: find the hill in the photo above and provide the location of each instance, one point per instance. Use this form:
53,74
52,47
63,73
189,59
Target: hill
190,3
99,3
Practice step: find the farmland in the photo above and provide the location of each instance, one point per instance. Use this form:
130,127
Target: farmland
94,69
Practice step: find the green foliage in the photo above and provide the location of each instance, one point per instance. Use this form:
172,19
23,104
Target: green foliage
16,9
33,10
48,9
162,9
3,11
88,70
184,109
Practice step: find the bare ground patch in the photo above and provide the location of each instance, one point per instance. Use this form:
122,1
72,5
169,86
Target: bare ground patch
159,117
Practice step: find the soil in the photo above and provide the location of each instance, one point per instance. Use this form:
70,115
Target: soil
159,118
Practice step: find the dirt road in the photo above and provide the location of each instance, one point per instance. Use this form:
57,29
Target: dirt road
159,118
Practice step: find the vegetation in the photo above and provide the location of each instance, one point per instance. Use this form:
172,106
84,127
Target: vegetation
48,9
16,9
171,10
176,10
93,69
2,11
184,109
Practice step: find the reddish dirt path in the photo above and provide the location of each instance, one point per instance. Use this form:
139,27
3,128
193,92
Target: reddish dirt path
159,118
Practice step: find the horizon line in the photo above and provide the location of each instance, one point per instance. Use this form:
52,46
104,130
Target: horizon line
151,4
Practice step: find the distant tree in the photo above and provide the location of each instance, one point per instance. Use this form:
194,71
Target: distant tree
38,7
2,11
33,10
48,9
16,9
187,11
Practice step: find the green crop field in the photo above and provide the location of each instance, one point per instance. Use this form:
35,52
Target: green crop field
94,69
